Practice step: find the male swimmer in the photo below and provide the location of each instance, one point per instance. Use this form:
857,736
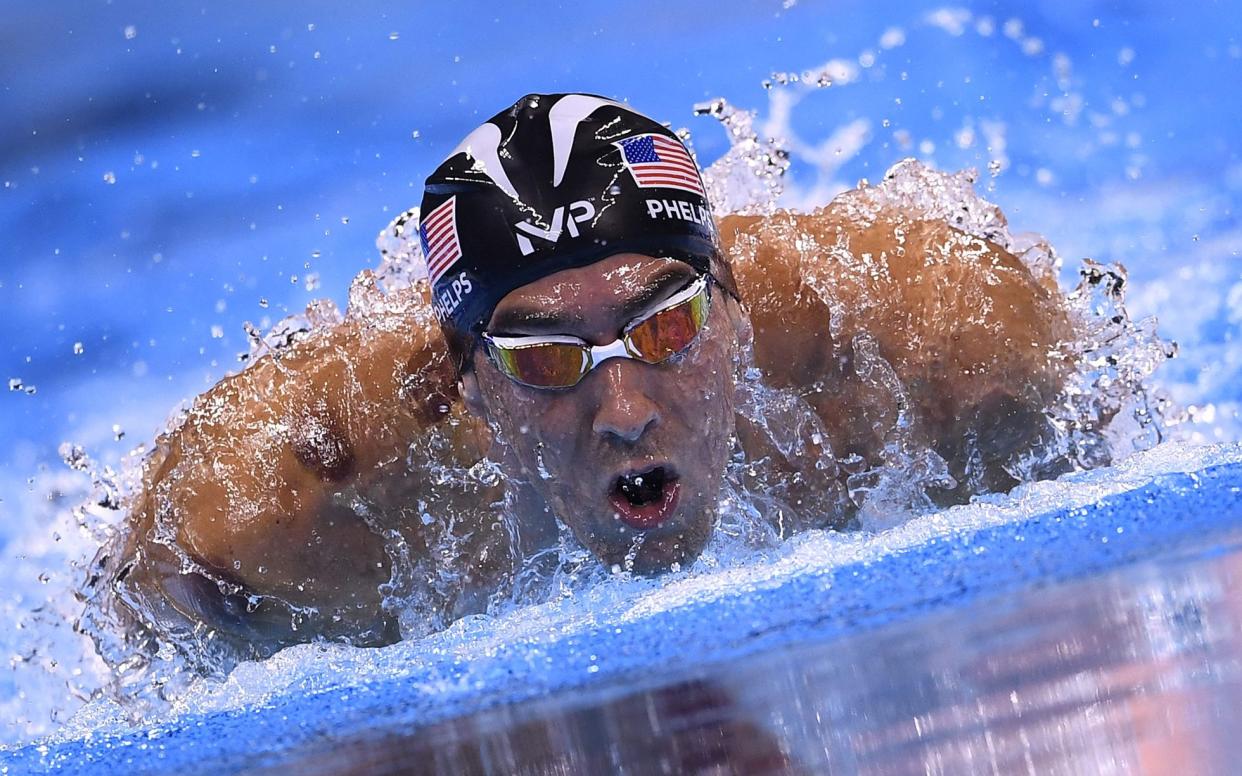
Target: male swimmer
594,321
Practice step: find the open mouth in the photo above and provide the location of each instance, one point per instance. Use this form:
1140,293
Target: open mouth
644,499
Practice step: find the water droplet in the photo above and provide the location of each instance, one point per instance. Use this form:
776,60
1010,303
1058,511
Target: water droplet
74,456
109,177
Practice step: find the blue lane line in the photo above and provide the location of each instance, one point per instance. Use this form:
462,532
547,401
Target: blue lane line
1173,513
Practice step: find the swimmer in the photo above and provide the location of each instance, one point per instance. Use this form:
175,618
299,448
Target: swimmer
587,329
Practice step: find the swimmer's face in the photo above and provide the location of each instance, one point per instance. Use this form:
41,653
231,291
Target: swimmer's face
631,457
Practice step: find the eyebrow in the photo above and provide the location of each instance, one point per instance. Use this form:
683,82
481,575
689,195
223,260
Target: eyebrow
538,320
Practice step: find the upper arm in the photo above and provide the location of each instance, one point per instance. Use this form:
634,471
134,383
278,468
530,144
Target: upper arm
259,482
968,333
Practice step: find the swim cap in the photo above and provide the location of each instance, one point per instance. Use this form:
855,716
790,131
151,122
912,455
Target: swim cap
555,182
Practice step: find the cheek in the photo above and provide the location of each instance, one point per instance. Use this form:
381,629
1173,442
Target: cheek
539,427
705,383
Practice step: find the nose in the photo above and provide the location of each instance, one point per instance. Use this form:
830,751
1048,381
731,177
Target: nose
625,410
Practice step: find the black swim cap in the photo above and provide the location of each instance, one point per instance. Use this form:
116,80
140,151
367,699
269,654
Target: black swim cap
555,182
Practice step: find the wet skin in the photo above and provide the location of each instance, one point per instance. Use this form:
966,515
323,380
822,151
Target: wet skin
571,445
260,486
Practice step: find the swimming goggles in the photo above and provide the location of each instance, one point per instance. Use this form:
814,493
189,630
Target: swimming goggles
561,361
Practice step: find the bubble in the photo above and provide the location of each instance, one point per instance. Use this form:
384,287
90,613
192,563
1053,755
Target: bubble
892,38
130,32
109,177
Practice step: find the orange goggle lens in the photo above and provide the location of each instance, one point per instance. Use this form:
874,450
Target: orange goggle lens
562,364
669,331
545,365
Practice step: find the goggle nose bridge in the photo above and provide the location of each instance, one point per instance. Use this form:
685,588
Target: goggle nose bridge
598,354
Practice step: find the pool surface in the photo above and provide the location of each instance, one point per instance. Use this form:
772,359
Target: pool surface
1100,635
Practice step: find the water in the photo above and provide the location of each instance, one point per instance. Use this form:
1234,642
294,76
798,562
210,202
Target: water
1122,120
972,635
1136,671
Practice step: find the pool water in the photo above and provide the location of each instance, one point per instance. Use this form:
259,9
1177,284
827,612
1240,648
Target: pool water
1134,671
169,177
1085,624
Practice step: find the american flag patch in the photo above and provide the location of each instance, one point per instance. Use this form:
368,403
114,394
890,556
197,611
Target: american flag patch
438,233
658,160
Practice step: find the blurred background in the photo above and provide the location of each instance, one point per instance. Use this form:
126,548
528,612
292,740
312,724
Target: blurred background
172,171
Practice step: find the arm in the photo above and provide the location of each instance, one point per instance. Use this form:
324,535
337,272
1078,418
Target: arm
260,486
970,341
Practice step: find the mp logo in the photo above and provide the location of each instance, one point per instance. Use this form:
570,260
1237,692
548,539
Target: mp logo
577,212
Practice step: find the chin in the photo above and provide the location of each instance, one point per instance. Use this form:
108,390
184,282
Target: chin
674,546
659,562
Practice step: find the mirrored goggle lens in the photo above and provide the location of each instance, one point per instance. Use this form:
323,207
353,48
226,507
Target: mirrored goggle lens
544,365
670,330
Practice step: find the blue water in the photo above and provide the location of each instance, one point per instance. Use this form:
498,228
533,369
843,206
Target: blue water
166,171
818,639
239,138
